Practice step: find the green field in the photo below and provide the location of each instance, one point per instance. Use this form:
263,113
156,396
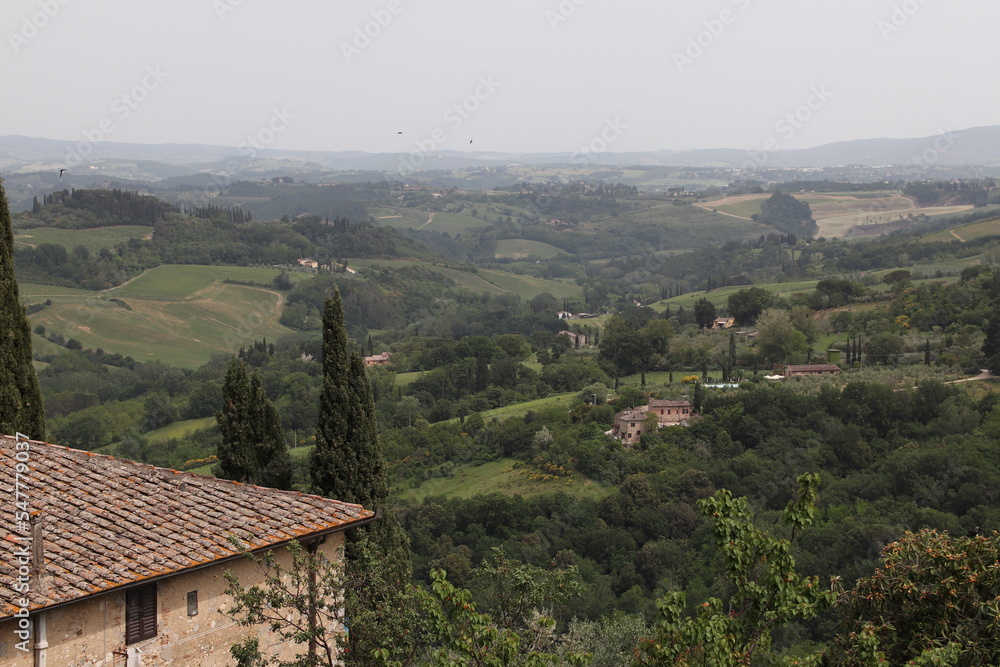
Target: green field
521,409
464,279
968,232
32,293
185,281
406,379
406,218
499,476
528,287
92,239
454,223
180,429
522,248
743,209
176,314
692,225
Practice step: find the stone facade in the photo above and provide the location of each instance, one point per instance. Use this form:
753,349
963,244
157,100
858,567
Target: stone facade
629,424
91,632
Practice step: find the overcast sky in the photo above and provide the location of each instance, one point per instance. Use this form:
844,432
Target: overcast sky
508,75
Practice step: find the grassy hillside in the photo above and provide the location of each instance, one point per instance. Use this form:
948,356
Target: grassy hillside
720,296
185,281
454,223
690,226
500,476
464,279
966,232
521,248
92,239
528,287
180,429
487,280
177,314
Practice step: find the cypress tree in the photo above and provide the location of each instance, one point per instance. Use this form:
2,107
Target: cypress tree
253,447
21,408
347,464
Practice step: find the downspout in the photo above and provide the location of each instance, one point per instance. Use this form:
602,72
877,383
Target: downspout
38,569
41,640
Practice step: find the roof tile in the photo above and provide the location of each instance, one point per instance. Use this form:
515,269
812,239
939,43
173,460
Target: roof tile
109,522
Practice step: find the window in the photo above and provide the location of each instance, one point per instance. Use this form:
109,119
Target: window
140,613
193,603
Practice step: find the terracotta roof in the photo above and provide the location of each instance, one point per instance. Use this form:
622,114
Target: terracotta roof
109,522
668,403
631,415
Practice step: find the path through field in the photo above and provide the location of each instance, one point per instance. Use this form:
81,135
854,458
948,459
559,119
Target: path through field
430,219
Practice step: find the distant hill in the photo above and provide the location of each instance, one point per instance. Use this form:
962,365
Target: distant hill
976,146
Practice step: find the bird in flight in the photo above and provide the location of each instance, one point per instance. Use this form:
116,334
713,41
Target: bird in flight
470,142
61,172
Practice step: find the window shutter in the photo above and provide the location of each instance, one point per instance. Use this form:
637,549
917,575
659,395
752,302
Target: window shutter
140,613
133,616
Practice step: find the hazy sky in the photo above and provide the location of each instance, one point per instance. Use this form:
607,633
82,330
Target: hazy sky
510,75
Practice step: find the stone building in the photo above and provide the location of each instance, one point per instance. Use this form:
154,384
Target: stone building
629,424
116,563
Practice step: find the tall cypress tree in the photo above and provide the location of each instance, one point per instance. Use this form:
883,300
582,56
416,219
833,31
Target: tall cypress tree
347,464
253,447
21,408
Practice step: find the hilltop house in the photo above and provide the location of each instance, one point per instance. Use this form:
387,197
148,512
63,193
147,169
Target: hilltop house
378,360
629,424
112,562
802,370
670,412
576,340
724,323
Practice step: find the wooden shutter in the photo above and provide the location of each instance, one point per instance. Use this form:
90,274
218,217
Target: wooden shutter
140,613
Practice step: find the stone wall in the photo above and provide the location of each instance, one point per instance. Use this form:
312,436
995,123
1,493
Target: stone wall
91,633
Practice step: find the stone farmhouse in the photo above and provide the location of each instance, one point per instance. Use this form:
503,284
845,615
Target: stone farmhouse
378,360
116,563
576,340
803,370
630,424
